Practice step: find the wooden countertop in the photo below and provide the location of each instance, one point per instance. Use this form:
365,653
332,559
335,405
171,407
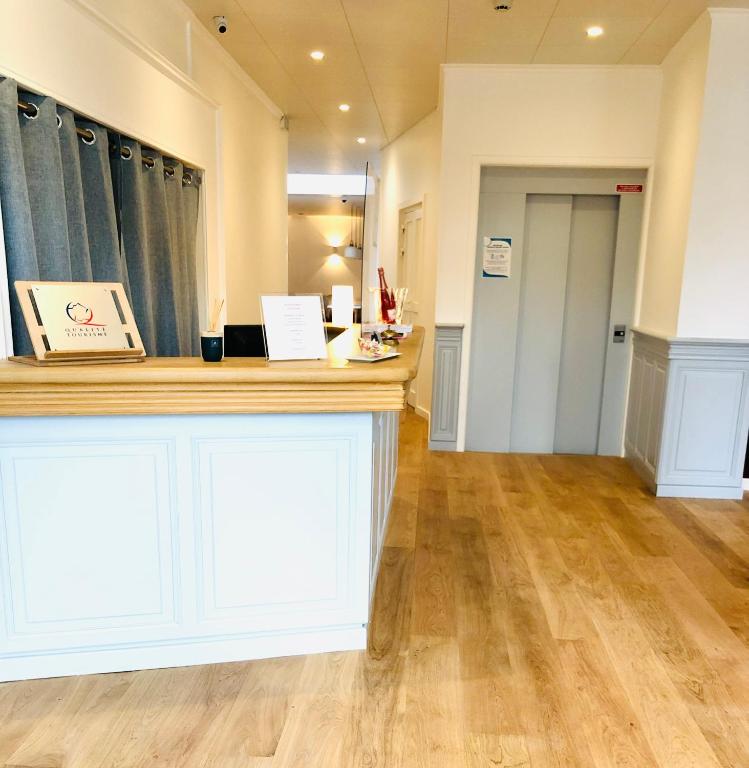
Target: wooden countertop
174,385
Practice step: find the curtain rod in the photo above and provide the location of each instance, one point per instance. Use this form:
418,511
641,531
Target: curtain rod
89,137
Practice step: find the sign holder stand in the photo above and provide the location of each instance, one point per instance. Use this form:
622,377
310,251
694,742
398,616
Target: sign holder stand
46,356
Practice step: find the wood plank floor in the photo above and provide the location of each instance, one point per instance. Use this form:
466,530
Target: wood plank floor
531,611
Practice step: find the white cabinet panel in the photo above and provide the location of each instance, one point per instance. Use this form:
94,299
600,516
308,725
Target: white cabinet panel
89,537
274,524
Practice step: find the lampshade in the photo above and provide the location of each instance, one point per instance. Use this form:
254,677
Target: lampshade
352,252
343,305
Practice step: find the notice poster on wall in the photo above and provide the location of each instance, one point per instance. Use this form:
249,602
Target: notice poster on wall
497,257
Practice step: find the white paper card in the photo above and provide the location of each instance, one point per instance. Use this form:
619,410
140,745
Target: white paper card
79,316
497,257
294,327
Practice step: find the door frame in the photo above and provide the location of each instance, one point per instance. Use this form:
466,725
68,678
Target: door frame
412,305
524,180
479,161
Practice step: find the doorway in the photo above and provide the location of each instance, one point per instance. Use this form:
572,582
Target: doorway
550,341
410,240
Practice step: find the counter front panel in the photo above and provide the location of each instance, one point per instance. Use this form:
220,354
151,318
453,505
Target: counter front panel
204,532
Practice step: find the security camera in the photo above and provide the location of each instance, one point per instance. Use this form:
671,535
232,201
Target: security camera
221,24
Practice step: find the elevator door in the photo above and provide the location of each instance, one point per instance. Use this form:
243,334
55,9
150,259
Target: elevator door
563,322
547,374
590,272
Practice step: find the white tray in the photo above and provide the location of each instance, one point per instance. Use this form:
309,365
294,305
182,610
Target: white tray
368,359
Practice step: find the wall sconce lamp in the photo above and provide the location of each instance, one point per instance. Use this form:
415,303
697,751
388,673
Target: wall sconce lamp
334,259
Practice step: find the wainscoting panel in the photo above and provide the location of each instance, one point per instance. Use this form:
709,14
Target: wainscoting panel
706,436
646,396
146,541
689,415
90,537
384,464
443,424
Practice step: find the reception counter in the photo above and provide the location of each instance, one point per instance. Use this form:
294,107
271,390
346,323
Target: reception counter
174,512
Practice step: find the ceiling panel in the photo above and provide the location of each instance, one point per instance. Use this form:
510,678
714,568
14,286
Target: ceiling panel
571,54
490,52
670,25
479,34
566,40
401,46
609,8
571,30
383,56
641,53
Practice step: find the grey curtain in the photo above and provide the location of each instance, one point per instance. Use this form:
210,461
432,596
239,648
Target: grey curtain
71,213
182,203
158,223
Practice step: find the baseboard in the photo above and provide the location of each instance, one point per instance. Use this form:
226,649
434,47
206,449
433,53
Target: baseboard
423,412
440,445
642,469
665,491
698,492
745,484
30,666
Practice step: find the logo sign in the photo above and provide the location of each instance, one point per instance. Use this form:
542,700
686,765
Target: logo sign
80,317
629,189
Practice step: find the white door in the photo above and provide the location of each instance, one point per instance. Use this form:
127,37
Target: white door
409,272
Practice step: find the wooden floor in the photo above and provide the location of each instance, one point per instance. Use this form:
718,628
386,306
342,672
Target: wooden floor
531,611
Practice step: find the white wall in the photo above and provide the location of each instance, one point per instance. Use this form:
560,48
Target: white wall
131,66
311,240
684,71
410,174
715,289
528,116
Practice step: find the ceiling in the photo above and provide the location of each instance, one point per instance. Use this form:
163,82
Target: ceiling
383,56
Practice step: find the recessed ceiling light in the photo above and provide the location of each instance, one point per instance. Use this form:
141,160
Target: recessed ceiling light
344,107
317,55
361,140
595,31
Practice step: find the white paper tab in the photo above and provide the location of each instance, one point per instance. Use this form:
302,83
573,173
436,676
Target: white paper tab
294,327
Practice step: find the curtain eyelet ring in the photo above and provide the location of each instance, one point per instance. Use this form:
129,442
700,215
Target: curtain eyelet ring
33,114
59,121
90,142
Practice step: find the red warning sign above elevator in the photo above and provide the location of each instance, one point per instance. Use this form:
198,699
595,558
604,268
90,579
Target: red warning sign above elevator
629,189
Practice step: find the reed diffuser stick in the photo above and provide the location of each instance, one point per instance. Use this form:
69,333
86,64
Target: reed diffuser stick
217,307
